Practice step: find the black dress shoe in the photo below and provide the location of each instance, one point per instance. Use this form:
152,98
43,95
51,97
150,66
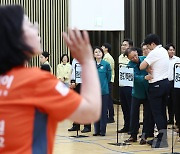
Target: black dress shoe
96,134
123,130
110,121
85,130
73,129
102,135
142,142
146,136
131,139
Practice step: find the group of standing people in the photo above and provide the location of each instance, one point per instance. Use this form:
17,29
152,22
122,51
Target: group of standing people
105,68
32,101
153,86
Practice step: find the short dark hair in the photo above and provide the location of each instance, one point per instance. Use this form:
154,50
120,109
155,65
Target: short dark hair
142,44
169,45
64,56
108,46
129,41
45,54
139,51
46,67
13,50
97,47
152,38
129,50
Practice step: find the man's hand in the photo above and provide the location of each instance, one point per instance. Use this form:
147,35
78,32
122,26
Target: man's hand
149,70
148,77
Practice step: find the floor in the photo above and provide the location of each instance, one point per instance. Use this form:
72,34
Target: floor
65,144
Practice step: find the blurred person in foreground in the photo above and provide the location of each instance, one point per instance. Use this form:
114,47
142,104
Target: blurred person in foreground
33,101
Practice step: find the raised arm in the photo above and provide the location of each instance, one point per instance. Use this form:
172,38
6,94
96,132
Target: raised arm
90,107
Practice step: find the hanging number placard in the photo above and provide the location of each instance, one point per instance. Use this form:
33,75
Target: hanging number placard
78,71
177,75
126,76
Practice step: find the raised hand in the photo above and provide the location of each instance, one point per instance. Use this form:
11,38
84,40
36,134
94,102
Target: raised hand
79,45
81,50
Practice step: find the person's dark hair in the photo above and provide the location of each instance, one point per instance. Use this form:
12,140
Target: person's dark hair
139,51
152,38
129,50
46,67
13,50
169,45
129,41
97,47
108,46
45,54
64,56
142,44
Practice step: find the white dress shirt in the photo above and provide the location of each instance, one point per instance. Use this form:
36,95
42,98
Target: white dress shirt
158,59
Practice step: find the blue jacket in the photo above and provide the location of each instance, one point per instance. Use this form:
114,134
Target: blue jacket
104,72
140,87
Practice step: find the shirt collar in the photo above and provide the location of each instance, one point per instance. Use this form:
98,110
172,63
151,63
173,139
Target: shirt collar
122,55
158,46
173,57
100,64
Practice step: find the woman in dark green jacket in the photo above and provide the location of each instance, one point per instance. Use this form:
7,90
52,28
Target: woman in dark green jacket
139,95
104,72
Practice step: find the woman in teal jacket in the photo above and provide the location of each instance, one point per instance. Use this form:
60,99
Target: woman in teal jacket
139,95
104,72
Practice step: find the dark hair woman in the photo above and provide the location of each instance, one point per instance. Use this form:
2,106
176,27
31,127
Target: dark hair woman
32,101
